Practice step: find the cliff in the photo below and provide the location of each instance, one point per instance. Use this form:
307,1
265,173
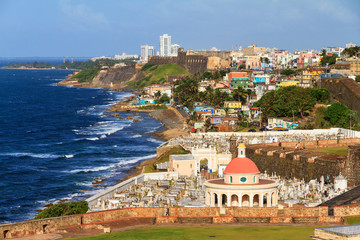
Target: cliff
112,78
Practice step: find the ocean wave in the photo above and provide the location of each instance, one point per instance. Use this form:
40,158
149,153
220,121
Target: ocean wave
120,162
154,140
136,136
92,139
69,156
33,155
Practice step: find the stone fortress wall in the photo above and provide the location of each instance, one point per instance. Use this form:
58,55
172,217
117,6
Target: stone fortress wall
192,63
308,165
346,90
160,215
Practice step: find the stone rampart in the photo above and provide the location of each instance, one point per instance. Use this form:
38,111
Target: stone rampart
155,215
192,63
288,162
347,210
346,90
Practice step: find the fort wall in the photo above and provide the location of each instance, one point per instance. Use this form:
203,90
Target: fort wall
346,90
160,215
288,162
192,63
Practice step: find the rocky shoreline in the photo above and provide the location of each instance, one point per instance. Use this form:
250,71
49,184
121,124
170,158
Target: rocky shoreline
172,121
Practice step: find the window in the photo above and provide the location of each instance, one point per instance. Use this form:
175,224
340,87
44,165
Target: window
242,153
254,179
177,166
243,179
190,165
230,179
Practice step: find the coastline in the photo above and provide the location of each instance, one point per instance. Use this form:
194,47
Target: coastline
172,121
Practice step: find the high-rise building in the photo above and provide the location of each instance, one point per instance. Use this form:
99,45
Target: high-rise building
165,45
146,51
174,49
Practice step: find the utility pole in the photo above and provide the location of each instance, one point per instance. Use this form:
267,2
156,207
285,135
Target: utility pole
293,116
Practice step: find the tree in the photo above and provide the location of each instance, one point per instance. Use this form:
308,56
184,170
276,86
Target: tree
357,79
267,61
287,72
207,75
350,52
207,124
164,99
328,60
239,95
63,209
337,114
157,94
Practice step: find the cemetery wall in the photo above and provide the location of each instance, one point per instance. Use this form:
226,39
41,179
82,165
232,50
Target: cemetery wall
196,215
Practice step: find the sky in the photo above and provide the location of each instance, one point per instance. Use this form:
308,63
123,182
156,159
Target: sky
87,28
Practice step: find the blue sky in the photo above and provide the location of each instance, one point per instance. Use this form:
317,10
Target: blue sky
49,28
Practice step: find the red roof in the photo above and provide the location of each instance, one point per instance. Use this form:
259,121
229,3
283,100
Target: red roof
241,165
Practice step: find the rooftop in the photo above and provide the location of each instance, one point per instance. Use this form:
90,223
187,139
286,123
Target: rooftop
344,230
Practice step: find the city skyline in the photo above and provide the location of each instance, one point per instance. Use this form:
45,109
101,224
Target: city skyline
92,28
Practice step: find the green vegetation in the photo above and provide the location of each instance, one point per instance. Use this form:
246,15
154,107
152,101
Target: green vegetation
63,209
157,74
86,75
350,52
287,72
164,158
328,60
357,78
340,116
147,66
291,101
186,93
336,150
209,232
353,220
74,65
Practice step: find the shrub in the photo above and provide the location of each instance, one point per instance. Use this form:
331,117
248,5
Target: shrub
63,209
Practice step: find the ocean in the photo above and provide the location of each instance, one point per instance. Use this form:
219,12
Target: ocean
56,143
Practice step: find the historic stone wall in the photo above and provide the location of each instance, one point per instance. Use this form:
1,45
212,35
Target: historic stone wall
288,162
136,216
192,63
346,90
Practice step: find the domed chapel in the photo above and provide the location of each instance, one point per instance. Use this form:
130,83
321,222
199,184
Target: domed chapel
241,185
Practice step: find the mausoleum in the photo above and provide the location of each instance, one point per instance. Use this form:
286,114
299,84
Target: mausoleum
241,185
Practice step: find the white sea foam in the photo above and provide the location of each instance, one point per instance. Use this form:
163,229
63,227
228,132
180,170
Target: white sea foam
95,169
33,155
135,136
92,139
69,156
154,140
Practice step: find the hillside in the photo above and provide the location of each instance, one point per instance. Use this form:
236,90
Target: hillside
157,74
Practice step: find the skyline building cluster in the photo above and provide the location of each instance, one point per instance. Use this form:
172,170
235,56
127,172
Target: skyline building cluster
166,48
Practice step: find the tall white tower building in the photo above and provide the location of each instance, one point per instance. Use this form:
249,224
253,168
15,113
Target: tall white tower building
165,45
146,52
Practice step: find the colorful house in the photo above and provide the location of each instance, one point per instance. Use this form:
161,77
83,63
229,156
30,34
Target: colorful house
238,79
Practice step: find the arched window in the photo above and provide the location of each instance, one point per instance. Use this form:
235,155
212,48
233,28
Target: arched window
254,179
230,179
242,153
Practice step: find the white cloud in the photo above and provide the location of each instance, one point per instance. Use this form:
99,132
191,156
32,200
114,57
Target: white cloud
82,17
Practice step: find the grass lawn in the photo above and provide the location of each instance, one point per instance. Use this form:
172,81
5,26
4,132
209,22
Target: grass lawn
164,158
336,150
353,220
211,232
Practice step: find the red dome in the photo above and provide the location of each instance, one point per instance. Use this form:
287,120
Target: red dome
241,165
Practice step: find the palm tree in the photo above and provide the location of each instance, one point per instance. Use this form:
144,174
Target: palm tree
240,95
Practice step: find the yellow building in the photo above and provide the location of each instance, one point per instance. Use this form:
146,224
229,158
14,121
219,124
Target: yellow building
232,104
183,164
355,67
288,83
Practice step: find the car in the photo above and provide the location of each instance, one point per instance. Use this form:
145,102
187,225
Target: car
264,129
252,130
